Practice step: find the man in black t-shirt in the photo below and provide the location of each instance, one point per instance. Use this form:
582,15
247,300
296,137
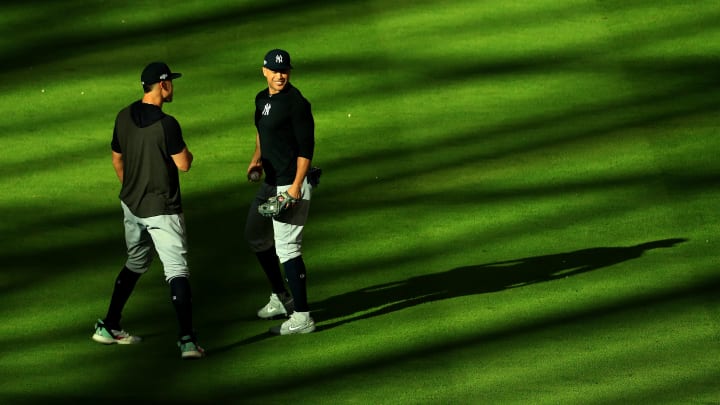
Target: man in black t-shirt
147,151
284,147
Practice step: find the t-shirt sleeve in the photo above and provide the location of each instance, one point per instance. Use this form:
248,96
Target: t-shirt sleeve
258,114
173,135
115,143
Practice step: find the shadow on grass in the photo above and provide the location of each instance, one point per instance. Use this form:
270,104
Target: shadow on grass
469,280
213,351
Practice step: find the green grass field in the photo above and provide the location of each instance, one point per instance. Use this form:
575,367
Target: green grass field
519,202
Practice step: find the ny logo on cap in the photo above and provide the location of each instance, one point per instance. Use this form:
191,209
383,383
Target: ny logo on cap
278,58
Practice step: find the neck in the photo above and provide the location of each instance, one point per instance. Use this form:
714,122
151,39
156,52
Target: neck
154,97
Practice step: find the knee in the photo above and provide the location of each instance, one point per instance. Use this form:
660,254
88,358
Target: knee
138,266
257,240
259,245
287,252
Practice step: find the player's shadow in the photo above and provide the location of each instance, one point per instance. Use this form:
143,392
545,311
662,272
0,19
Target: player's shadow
386,298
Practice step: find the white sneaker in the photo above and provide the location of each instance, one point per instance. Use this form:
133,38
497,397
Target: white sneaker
299,322
279,305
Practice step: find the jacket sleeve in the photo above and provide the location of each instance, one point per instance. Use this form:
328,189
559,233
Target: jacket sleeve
304,129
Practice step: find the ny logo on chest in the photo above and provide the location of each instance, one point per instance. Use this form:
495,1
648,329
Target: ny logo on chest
266,109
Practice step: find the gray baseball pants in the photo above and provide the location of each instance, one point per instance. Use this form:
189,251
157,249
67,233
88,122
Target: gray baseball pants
164,233
285,230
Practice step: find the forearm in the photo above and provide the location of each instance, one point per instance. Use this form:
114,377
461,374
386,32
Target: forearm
119,172
183,160
256,160
303,165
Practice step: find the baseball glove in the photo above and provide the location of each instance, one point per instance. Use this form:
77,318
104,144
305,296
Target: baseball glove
313,176
275,205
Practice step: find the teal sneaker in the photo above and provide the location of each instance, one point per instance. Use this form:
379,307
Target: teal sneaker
299,322
108,336
189,349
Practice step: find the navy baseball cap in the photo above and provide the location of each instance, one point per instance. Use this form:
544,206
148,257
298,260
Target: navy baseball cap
277,59
157,72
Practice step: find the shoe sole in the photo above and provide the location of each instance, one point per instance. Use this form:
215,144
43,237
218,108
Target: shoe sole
110,341
276,330
104,340
303,330
193,354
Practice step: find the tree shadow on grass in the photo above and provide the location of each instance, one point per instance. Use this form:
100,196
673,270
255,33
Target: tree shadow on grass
469,280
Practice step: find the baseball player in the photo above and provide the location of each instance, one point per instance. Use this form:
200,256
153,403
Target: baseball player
147,151
284,146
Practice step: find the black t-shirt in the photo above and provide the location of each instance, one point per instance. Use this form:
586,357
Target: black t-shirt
287,131
147,138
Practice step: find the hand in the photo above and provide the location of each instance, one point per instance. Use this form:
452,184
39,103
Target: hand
295,192
275,205
254,171
254,174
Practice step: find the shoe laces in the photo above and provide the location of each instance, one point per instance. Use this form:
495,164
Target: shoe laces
297,319
119,333
188,342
